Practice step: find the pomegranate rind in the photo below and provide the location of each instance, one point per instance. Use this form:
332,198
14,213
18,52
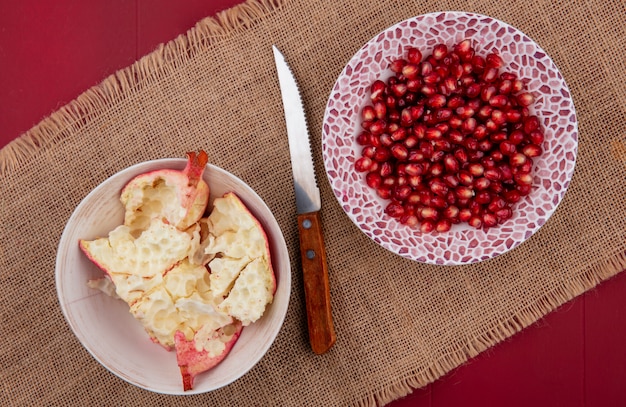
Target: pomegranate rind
241,271
134,264
193,361
185,192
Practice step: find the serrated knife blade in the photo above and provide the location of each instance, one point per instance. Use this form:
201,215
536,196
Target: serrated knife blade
308,205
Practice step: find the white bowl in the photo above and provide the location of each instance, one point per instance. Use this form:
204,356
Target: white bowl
552,171
104,325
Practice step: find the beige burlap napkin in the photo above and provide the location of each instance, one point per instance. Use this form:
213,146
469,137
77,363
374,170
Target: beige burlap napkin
400,324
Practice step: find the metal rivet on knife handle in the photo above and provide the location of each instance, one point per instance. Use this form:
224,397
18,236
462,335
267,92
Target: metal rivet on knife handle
316,283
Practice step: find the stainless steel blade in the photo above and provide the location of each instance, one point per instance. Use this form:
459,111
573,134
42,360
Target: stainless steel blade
307,193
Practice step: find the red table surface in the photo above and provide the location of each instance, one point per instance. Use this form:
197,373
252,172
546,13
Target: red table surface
52,51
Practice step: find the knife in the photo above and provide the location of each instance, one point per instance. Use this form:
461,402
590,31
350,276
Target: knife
308,204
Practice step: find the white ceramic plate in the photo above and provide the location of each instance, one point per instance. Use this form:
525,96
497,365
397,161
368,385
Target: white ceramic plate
552,171
104,325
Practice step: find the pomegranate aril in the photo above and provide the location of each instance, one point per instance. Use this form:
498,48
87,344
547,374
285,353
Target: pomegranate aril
473,90
513,116
443,225
373,180
400,152
409,220
531,150
463,47
525,99
504,214
413,198
465,112
394,209
523,178
531,123
442,145
378,127
440,51
536,137
451,164
451,180
504,87
436,169
450,84
377,90
368,113
386,140
427,226
489,220
429,213
386,169
426,68
414,169
439,202
507,148
397,65
443,114
464,192
402,192
451,212
390,181
517,159
363,138
428,90
414,84
494,61
414,55
363,164
433,133
496,204
481,184
524,189
511,196
436,100
410,71
516,137
469,125
517,85
496,155
482,197
465,214
455,101
438,187
399,89
475,221
380,109
399,134
465,178
485,145
490,74
479,64
498,101
493,174
461,156
384,192
506,173
369,151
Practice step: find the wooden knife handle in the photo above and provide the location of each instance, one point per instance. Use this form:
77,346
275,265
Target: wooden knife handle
316,285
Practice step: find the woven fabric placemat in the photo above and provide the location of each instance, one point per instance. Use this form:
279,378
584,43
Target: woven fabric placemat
400,324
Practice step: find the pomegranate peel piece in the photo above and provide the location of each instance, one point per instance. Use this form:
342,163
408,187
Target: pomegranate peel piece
135,264
192,356
241,271
179,197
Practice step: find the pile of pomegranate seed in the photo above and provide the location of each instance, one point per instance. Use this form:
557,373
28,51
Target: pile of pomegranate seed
449,139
